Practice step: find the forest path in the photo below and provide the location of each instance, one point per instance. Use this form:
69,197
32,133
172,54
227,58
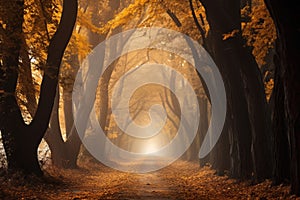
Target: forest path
164,184
178,181
148,186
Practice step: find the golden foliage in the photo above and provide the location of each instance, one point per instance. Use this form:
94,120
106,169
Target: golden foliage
259,31
230,34
269,85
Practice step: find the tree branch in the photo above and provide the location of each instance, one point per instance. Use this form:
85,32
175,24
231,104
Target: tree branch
56,50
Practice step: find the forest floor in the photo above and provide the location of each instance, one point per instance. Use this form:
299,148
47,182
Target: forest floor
181,180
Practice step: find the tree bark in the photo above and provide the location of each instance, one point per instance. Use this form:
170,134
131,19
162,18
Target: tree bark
63,153
20,140
241,71
281,168
285,16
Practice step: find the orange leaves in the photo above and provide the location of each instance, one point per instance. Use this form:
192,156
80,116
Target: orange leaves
260,31
231,34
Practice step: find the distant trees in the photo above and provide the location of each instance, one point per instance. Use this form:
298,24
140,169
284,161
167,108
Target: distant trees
21,140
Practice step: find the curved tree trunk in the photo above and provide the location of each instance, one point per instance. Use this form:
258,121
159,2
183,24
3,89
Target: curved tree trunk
20,140
64,153
244,88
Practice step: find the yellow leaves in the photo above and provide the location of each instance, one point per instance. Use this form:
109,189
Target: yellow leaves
259,31
129,13
40,22
143,13
3,24
112,135
231,34
79,45
83,19
269,88
82,45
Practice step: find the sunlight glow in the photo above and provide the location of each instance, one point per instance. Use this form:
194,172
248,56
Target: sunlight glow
151,148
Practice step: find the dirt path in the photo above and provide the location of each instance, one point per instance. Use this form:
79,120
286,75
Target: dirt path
164,184
181,180
149,186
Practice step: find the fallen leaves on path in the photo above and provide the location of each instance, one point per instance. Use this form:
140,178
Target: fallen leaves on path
181,180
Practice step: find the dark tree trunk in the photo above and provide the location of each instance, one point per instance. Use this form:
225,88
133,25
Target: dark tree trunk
20,140
281,169
63,153
239,126
244,89
258,114
54,138
21,151
203,125
221,153
286,16
73,142
10,120
223,53
25,80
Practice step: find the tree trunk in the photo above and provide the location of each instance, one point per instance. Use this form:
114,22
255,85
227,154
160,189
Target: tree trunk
203,126
26,81
281,168
222,51
221,153
224,20
10,120
20,140
63,153
285,16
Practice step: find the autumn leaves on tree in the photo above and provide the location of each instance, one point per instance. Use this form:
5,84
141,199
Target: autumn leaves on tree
254,44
